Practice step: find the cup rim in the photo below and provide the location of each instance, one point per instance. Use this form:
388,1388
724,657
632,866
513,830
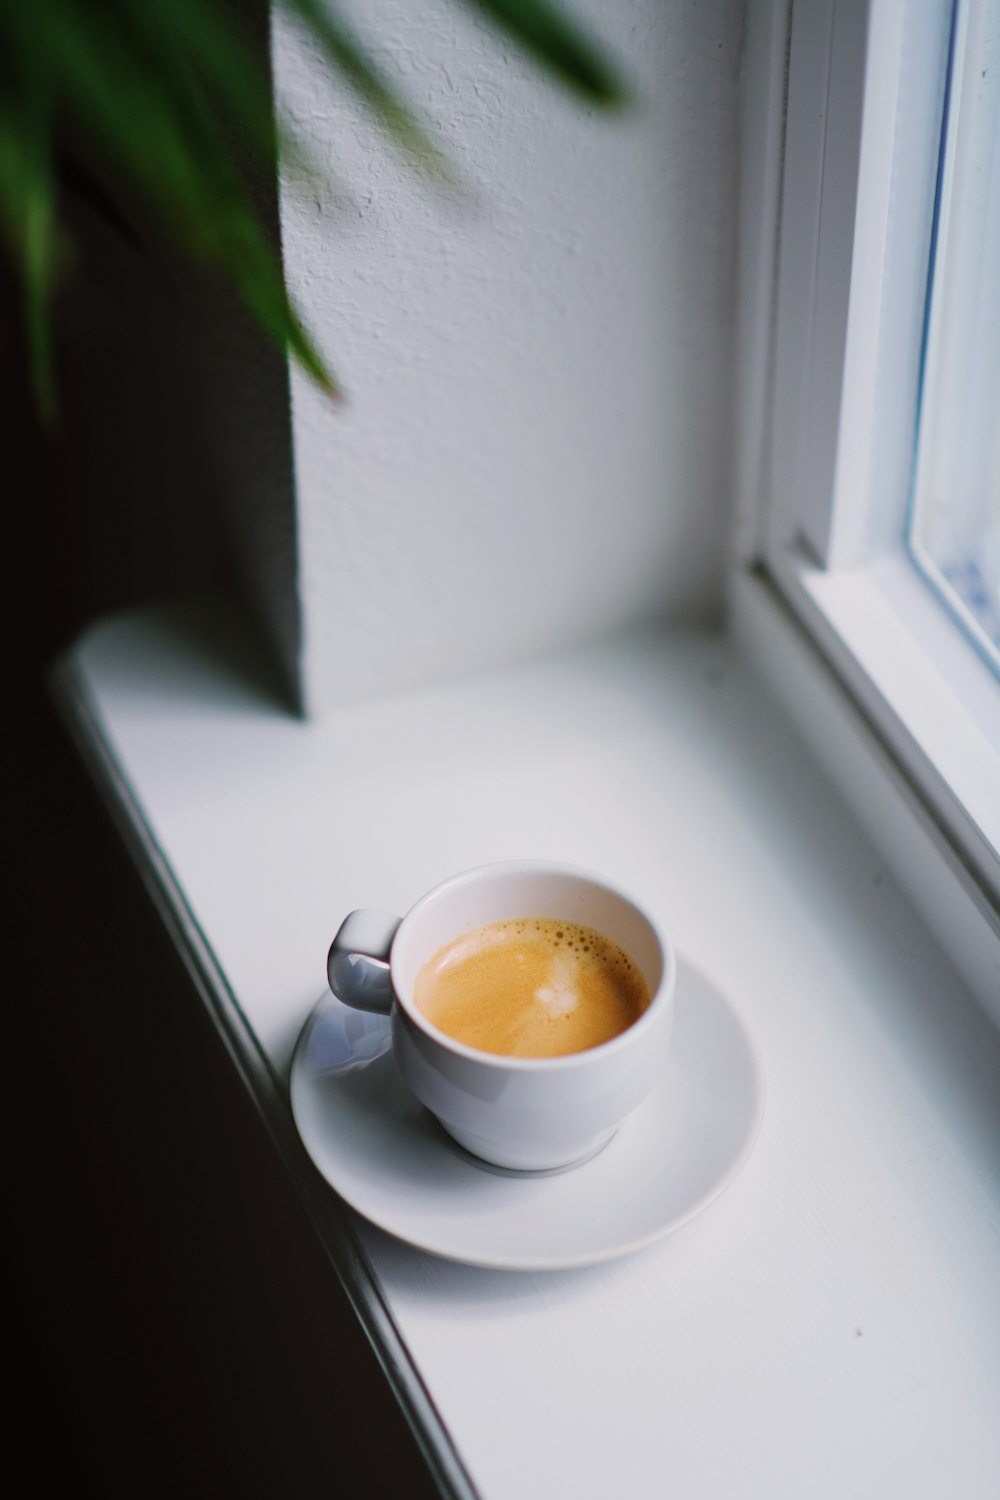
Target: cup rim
566,1061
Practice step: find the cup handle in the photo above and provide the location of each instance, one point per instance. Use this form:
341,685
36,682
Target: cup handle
357,965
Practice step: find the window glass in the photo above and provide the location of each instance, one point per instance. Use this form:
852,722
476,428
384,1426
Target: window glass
953,528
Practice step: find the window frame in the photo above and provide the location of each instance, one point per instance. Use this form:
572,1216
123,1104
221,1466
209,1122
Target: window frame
813,207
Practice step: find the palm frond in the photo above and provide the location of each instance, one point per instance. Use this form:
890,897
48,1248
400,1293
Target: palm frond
350,60
174,102
28,224
562,48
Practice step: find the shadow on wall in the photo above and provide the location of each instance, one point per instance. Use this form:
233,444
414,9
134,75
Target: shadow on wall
173,448
169,471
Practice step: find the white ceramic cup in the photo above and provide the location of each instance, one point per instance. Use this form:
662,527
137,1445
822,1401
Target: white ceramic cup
521,1113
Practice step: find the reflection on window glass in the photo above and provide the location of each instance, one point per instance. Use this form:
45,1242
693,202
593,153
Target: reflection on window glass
954,523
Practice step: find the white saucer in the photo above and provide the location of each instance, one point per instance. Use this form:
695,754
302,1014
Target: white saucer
388,1158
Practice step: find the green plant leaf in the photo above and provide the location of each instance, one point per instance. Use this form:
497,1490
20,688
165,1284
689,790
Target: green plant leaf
169,99
27,213
39,284
151,125
559,45
346,54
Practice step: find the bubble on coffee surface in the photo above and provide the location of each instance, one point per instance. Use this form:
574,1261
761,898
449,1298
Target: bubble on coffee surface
531,987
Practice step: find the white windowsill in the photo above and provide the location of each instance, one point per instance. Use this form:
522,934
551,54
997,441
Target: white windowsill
823,1329
907,662
837,702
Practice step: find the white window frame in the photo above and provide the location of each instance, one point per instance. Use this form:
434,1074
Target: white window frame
837,629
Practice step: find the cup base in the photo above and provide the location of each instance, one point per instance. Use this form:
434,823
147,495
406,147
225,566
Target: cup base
504,1171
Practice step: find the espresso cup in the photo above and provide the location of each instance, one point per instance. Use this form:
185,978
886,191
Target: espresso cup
519,1113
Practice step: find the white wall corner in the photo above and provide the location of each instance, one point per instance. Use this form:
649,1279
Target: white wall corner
537,442
762,128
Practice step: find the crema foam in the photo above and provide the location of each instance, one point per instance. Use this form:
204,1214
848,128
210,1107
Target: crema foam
531,987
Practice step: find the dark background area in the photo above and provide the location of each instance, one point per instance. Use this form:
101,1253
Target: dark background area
174,1327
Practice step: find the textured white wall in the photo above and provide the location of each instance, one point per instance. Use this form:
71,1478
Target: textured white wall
537,442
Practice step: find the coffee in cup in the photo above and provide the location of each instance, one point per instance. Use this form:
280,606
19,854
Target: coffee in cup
531,987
